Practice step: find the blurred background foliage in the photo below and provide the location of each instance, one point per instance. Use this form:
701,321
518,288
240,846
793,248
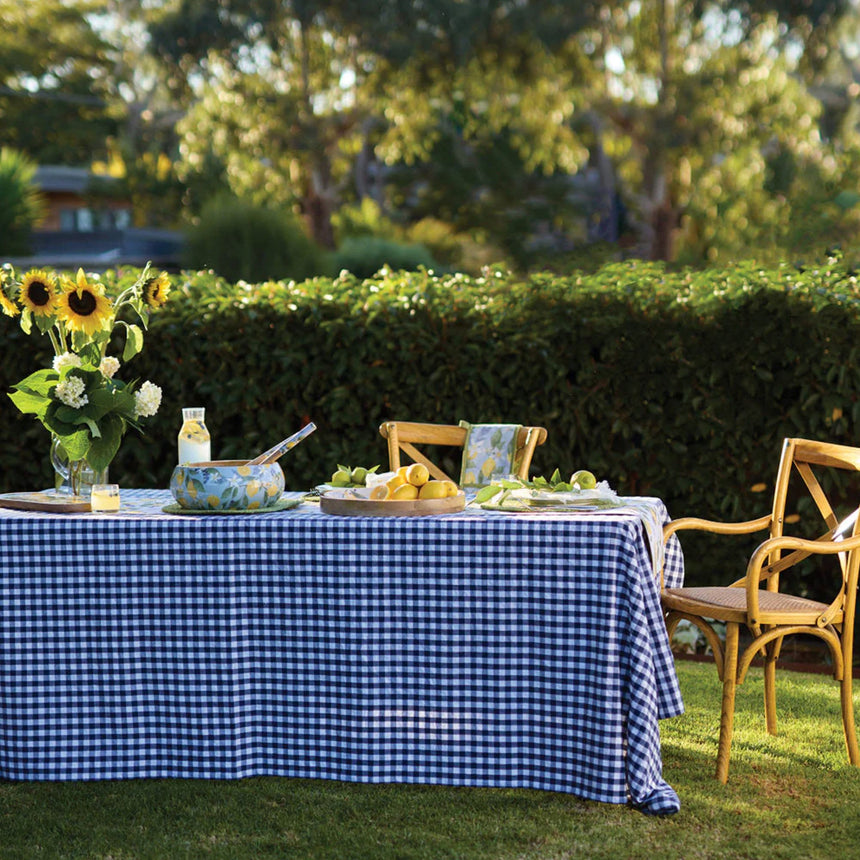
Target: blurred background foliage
690,131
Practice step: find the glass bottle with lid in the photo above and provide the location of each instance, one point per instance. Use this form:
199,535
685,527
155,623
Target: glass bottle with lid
195,445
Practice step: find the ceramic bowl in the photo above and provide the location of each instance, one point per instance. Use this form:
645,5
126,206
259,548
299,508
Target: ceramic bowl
226,485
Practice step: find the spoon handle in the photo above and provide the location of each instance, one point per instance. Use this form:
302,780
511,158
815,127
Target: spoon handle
282,447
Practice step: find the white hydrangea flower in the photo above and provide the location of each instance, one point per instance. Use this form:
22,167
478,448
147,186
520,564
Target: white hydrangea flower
71,392
109,366
147,400
67,359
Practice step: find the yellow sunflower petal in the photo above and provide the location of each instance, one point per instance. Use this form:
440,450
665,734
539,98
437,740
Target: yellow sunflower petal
85,307
156,291
9,307
39,293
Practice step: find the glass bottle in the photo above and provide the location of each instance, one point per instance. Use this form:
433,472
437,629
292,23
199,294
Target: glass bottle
195,444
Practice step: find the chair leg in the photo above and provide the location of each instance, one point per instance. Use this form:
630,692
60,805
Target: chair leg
771,654
848,715
727,715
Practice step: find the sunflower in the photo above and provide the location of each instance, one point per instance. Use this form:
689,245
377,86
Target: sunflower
84,306
156,291
7,305
39,293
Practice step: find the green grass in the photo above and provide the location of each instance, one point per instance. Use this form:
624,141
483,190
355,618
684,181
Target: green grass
791,796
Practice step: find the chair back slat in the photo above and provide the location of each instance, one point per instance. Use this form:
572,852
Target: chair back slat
404,436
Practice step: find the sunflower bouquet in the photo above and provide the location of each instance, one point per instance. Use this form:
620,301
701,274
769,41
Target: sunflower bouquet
79,399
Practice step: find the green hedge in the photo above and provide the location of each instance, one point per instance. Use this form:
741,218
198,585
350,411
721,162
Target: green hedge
677,384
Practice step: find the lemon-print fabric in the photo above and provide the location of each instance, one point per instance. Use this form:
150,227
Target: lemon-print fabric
488,453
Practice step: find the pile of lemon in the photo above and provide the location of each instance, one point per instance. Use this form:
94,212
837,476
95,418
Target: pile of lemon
412,482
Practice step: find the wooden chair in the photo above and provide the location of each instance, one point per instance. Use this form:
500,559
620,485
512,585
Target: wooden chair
771,614
403,436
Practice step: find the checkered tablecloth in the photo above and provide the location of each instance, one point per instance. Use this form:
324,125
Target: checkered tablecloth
481,649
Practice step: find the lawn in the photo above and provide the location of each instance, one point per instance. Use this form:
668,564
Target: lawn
792,796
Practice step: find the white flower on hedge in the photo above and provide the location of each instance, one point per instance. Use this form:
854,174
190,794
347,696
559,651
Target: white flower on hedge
147,400
71,392
67,359
109,366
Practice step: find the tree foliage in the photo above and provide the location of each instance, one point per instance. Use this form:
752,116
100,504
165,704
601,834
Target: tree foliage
715,126
51,102
20,203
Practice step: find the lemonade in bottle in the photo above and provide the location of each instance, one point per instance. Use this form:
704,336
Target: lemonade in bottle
195,444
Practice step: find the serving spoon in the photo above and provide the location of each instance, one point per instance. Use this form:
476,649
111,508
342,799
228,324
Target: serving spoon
282,447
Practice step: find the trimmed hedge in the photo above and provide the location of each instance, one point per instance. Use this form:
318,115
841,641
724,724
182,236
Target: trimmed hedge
676,384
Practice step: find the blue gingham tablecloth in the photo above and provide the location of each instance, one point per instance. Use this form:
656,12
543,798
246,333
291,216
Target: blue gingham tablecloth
480,649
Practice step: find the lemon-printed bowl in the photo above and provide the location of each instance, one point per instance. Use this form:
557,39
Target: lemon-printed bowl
226,485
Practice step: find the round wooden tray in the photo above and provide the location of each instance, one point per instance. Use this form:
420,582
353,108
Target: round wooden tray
358,507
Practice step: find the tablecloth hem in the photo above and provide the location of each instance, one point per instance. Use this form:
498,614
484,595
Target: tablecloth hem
663,800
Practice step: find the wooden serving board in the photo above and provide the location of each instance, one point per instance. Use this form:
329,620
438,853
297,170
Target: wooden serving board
54,503
358,507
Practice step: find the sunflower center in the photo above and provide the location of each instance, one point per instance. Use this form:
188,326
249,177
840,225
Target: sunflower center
38,294
84,304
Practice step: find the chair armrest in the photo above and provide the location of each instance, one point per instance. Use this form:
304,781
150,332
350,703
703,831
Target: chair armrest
804,545
743,528
760,567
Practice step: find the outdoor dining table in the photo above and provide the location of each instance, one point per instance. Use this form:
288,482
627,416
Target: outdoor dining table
479,648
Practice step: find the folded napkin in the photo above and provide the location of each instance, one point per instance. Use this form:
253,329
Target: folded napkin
488,453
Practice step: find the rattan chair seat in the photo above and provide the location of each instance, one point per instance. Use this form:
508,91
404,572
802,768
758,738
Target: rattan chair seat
730,604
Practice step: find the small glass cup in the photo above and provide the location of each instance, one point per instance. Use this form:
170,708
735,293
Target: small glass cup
104,498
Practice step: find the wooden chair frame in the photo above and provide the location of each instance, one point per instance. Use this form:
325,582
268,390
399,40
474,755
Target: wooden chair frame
768,613
403,436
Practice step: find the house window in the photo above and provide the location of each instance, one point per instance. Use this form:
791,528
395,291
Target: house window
68,220
85,221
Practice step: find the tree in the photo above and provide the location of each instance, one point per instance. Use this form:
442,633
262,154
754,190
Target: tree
51,101
702,101
272,110
20,203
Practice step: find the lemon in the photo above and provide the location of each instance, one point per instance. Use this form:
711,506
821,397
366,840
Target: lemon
341,476
417,474
433,490
395,481
451,489
402,472
404,493
584,479
359,475
489,467
379,493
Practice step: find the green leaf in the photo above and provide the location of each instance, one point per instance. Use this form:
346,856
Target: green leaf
103,401
40,382
104,447
133,342
30,404
487,493
77,444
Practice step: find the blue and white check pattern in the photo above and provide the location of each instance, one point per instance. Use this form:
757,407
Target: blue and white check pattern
472,649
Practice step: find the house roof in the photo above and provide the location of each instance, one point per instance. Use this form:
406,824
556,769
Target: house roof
59,177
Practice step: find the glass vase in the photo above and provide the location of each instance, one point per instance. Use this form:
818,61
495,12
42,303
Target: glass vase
73,477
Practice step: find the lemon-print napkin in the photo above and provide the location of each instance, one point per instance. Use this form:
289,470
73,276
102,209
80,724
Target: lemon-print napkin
488,453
